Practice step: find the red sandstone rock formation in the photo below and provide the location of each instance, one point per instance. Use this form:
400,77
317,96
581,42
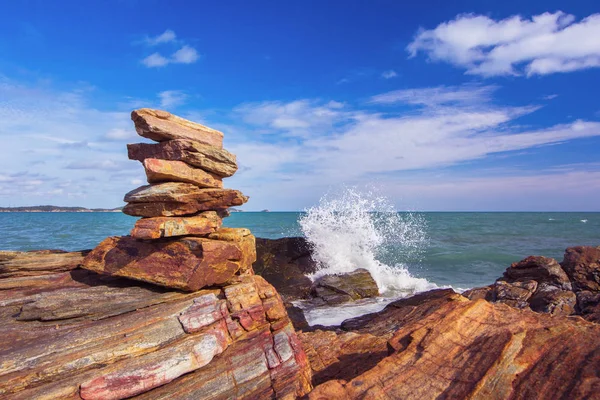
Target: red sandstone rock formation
461,349
161,126
76,334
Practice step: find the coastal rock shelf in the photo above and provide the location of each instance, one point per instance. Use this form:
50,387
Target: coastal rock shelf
81,335
446,346
541,284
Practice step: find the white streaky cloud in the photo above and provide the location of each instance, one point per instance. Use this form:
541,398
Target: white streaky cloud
136,182
545,44
172,98
49,129
389,74
456,125
440,95
155,60
185,55
289,153
165,37
107,165
297,118
550,97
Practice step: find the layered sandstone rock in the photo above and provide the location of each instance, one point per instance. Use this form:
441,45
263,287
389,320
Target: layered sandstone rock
188,263
212,159
457,348
161,125
176,198
34,263
158,171
179,242
543,285
161,227
81,335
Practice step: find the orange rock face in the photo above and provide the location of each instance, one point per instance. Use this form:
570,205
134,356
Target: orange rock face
173,198
582,264
217,161
161,227
475,349
89,336
161,125
177,171
342,355
246,242
187,264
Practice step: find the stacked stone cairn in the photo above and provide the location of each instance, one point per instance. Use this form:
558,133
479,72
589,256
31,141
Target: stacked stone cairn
179,242
215,330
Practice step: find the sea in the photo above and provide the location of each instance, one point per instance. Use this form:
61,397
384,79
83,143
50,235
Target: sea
406,252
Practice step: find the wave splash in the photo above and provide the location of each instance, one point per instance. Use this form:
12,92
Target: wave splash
354,229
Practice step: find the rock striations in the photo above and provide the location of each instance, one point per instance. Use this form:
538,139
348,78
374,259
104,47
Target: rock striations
211,329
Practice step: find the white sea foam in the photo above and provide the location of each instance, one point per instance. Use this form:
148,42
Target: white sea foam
584,220
350,229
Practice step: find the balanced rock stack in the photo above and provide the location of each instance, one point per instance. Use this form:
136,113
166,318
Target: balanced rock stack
179,242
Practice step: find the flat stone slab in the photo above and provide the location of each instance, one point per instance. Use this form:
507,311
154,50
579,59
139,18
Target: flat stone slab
33,263
161,125
187,264
173,198
209,158
158,171
162,227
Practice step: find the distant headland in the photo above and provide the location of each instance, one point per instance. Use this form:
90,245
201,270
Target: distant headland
57,209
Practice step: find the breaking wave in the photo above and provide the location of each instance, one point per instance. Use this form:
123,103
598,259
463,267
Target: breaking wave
355,229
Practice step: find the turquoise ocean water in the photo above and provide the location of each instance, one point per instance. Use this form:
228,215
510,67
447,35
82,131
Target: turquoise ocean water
461,249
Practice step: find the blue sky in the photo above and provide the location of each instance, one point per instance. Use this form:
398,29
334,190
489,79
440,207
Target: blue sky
466,105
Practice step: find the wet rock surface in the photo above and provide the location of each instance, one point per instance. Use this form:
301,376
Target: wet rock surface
338,289
285,264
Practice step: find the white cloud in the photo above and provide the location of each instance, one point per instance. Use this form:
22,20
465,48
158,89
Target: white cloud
136,182
296,118
389,74
165,37
547,43
440,95
550,97
453,126
107,165
155,60
307,146
172,98
185,55
49,129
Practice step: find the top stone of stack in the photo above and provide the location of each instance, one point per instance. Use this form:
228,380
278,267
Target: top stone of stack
161,125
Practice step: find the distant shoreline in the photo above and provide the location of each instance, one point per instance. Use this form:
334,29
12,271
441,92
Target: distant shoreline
39,209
